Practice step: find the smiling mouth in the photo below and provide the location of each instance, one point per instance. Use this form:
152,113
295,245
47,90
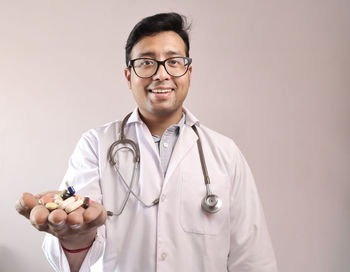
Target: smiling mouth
161,90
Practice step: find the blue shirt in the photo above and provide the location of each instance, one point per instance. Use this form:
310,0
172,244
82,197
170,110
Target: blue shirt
167,141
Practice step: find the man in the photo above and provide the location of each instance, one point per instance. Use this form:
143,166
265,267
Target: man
160,222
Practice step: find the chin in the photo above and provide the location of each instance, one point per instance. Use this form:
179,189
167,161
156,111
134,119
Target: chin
164,111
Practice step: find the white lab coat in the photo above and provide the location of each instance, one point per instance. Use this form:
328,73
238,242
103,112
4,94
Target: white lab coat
176,235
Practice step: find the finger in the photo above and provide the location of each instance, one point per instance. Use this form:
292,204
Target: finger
57,216
57,221
25,204
39,216
49,193
95,215
75,219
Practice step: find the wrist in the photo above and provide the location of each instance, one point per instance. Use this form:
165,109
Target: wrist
79,243
78,250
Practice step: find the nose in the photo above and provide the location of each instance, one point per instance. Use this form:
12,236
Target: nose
161,74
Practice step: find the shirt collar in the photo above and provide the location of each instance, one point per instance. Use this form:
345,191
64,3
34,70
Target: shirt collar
134,117
173,130
187,118
176,127
190,118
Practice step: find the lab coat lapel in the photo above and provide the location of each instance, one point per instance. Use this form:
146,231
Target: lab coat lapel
150,173
187,139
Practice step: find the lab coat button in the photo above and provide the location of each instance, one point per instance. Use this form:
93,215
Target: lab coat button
163,256
165,145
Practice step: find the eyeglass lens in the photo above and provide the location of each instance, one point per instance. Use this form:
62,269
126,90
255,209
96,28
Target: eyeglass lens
145,67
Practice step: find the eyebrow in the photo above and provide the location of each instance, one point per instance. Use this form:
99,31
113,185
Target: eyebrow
152,54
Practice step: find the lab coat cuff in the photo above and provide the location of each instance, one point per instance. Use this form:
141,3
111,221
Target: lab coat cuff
58,260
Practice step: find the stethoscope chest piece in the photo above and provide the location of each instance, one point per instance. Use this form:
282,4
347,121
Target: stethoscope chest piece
211,203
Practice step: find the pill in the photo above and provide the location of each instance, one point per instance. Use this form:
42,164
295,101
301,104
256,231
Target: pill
51,206
46,199
58,199
63,192
66,202
86,202
71,190
65,195
74,205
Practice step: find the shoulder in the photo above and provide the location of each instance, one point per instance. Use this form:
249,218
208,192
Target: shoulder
108,129
94,139
225,151
221,147
217,139
213,138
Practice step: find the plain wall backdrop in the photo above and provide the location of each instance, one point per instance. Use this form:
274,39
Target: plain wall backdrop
273,75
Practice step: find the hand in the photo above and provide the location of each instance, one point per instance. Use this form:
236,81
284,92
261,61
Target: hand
74,230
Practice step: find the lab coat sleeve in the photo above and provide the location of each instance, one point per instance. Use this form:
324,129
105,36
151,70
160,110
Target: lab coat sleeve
83,174
56,257
250,245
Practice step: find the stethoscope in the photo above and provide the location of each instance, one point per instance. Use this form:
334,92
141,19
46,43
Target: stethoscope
210,203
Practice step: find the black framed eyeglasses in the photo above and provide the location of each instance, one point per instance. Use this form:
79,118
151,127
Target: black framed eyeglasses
147,67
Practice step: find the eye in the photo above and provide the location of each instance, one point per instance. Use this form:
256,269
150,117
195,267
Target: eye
174,62
144,63
147,62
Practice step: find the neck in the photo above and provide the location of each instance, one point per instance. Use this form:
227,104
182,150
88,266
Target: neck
157,124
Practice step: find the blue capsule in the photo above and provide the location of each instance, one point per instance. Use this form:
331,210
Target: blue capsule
71,190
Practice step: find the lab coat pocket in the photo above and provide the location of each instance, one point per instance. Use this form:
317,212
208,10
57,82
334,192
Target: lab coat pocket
193,218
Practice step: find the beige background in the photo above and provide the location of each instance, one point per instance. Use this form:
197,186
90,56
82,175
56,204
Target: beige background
273,75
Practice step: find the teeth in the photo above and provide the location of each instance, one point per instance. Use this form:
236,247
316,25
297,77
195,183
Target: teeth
161,90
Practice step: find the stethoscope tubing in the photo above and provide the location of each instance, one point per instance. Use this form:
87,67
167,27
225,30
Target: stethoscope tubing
210,203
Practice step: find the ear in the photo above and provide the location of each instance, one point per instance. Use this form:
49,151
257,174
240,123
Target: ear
189,73
127,75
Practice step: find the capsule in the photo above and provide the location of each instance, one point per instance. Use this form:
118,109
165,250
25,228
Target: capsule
51,206
65,195
58,199
66,202
86,202
74,205
71,190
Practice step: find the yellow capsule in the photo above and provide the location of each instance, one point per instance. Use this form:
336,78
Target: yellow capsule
51,206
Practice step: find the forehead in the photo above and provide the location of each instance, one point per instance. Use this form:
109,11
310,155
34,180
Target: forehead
163,44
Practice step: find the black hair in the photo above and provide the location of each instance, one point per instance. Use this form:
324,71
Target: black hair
155,24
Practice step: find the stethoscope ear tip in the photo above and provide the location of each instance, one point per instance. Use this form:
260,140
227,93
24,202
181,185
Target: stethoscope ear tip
211,203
